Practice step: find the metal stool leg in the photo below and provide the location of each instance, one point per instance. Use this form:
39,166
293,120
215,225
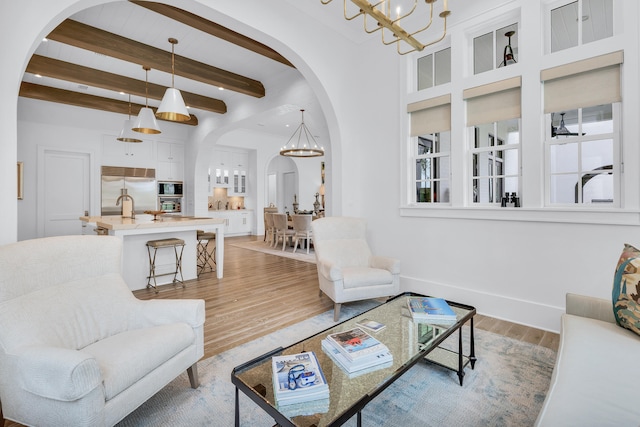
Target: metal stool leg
178,264
152,269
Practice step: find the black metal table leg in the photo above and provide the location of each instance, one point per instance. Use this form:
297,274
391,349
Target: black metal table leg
359,419
460,357
472,345
237,409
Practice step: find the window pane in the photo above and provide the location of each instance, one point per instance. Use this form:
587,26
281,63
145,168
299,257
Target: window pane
597,20
425,72
423,169
425,145
482,166
444,142
564,124
423,192
484,136
564,188
441,192
482,53
597,155
502,41
483,190
564,27
597,120
441,167
443,66
509,131
510,160
511,185
597,188
564,158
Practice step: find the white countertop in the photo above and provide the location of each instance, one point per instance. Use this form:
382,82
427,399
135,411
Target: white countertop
116,222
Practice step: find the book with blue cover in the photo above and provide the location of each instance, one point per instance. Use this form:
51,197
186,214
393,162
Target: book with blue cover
298,378
430,309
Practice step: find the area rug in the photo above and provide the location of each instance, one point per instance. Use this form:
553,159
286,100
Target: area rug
260,246
506,388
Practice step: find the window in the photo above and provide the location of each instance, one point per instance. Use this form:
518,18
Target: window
434,69
433,168
581,153
430,149
495,161
581,22
496,49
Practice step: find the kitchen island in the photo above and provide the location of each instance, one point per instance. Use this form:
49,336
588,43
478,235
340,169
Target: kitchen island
135,234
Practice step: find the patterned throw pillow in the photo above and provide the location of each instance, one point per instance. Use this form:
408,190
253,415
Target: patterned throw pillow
626,289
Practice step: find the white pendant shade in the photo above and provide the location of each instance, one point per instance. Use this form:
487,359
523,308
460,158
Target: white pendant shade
127,134
172,107
146,122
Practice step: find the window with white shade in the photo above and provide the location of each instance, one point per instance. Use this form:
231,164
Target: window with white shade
582,147
493,117
430,149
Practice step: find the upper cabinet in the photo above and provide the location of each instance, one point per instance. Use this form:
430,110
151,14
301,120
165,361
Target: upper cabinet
221,168
170,165
117,153
239,170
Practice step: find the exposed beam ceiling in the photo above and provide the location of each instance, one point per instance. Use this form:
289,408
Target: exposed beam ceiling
93,39
213,29
91,77
44,93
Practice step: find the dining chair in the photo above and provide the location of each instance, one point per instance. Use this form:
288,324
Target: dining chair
269,229
282,229
302,229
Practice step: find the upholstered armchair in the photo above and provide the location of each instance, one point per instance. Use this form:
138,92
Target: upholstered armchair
76,347
347,270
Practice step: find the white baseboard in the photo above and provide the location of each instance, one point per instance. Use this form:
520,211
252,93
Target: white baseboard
529,313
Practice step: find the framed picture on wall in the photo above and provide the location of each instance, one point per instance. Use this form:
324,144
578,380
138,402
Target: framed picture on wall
20,181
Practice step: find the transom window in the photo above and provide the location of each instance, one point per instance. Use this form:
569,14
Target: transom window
580,22
434,69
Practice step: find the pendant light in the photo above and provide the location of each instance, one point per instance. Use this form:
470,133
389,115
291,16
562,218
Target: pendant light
297,147
172,106
146,121
508,58
127,134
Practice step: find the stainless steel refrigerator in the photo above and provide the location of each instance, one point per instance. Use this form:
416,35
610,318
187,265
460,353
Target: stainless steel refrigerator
139,182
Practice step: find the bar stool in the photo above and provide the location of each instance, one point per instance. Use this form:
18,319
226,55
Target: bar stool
165,243
206,260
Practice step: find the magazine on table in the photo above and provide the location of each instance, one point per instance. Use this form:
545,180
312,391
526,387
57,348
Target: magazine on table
355,343
371,325
319,406
431,309
298,378
359,366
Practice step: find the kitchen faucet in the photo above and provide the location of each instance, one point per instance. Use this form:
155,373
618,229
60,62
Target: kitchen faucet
133,204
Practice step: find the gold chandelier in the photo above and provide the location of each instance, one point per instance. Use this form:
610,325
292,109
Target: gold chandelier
382,12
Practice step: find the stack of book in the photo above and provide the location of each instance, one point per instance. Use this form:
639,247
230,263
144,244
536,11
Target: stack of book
356,351
431,310
297,379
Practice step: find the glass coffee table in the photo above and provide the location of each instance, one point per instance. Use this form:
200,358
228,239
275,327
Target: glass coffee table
409,342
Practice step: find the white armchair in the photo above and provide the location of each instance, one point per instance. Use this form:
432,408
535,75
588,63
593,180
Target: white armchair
76,347
347,270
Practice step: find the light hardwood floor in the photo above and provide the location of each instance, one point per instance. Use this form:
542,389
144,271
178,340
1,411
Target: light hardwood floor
261,293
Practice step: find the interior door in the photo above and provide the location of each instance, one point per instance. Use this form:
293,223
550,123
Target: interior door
63,192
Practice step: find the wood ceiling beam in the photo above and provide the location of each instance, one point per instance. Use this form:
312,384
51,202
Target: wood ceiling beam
90,38
61,96
91,77
213,29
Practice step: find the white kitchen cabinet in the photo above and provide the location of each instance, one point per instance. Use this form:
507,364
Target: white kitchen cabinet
118,153
221,168
170,166
239,173
237,222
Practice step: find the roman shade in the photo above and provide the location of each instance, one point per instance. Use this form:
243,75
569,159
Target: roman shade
493,102
431,115
586,83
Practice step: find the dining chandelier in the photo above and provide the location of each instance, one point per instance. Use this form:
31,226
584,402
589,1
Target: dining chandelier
172,106
297,146
389,14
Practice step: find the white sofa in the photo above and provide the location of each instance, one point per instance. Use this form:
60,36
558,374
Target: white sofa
76,347
597,372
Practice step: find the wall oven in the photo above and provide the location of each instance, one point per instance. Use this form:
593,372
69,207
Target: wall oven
170,196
